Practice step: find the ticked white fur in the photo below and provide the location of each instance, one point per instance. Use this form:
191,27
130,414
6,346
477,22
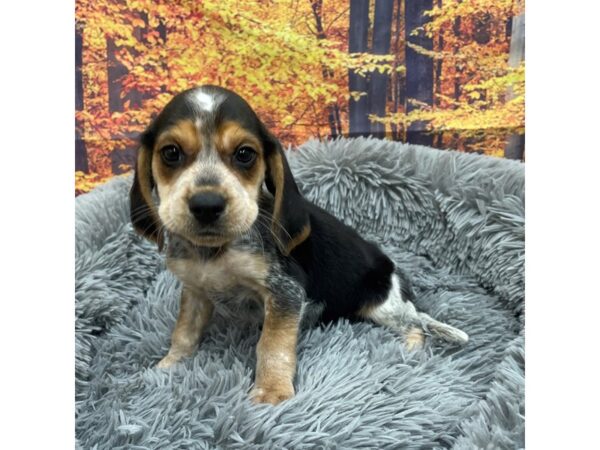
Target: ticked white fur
394,309
401,315
233,270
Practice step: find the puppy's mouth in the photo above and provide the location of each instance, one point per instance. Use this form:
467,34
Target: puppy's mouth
216,234
200,236
209,238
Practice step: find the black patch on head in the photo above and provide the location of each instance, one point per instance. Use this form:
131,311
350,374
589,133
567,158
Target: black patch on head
229,107
235,108
178,109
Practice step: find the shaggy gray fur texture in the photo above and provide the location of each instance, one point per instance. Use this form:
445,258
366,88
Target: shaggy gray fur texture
454,221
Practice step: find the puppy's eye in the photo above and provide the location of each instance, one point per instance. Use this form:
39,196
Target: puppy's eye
171,155
244,156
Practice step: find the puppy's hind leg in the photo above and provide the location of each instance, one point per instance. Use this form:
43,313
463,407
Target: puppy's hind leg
399,313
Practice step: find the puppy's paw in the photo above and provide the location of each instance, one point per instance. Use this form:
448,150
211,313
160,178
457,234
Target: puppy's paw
414,339
272,395
167,361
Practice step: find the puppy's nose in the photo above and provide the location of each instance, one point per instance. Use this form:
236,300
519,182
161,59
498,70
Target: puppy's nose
207,206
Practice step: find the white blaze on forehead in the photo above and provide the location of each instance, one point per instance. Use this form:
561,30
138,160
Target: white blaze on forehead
206,102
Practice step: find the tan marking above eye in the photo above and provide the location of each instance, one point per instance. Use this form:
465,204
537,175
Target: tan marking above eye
232,135
184,134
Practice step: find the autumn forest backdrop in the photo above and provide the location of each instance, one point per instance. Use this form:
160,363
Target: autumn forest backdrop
444,73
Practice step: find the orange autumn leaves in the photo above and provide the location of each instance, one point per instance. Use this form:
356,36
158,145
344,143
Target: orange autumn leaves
293,70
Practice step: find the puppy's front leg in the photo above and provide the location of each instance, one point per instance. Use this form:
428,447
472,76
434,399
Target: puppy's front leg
276,355
194,313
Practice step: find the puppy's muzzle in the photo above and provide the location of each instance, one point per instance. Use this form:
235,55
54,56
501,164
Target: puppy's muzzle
207,207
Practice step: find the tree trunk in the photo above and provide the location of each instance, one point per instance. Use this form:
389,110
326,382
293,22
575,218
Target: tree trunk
162,31
508,29
81,159
136,98
457,68
337,118
515,147
439,65
395,77
116,71
481,31
333,115
419,69
382,33
439,136
358,34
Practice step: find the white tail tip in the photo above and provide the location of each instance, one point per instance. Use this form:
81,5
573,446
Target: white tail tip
443,331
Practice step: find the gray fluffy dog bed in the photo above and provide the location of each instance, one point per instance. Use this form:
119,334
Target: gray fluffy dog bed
454,221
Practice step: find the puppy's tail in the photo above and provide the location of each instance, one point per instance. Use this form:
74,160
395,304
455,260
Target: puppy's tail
429,324
443,331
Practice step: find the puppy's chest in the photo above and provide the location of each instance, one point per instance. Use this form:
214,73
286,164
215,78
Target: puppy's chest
221,277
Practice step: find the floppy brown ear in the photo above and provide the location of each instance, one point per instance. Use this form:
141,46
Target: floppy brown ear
291,223
141,206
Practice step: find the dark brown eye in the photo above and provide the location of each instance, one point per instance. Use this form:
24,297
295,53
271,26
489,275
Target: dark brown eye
171,155
244,156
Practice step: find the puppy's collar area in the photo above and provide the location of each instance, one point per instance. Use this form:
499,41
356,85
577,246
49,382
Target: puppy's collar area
180,247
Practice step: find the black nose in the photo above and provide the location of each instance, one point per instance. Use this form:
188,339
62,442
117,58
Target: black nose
207,206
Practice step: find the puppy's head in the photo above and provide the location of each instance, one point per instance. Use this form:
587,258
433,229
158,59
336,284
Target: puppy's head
200,171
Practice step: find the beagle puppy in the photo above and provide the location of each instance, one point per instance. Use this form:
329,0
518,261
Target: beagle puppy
212,186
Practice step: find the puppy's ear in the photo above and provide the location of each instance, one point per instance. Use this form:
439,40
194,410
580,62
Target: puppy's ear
142,209
291,223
